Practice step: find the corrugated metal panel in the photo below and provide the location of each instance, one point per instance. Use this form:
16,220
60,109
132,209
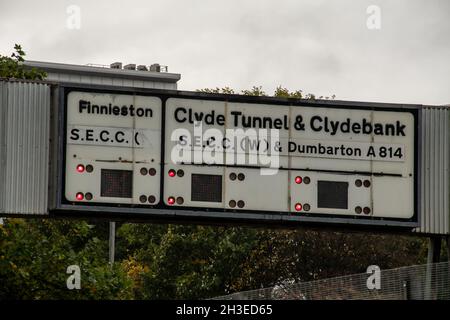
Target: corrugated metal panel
138,83
25,109
3,104
435,171
67,73
105,81
121,82
111,81
63,68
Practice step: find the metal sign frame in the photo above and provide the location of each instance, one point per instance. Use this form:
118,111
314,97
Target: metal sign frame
162,213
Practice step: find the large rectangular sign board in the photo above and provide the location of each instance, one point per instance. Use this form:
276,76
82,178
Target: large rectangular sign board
198,157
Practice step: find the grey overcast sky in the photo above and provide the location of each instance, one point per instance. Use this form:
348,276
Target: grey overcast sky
322,47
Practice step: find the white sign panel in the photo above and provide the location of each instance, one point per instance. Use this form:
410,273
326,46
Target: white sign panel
289,159
113,148
239,158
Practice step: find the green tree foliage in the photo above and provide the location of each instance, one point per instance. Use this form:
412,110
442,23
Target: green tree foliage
280,92
224,90
179,262
187,262
12,67
35,254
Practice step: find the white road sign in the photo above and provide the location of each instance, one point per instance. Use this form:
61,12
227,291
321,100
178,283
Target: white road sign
239,157
324,160
113,148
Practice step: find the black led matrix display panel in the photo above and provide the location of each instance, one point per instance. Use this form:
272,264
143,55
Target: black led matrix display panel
206,187
332,194
116,183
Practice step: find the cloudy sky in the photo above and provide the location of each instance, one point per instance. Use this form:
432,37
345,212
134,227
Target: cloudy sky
322,47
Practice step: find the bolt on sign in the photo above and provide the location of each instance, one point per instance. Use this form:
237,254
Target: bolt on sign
205,157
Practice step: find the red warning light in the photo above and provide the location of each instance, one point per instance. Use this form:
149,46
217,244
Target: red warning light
171,200
80,168
298,180
298,207
80,196
172,173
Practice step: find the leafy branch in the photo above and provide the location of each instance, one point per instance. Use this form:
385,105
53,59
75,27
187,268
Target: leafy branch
12,67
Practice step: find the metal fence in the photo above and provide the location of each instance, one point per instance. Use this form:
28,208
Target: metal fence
428,282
